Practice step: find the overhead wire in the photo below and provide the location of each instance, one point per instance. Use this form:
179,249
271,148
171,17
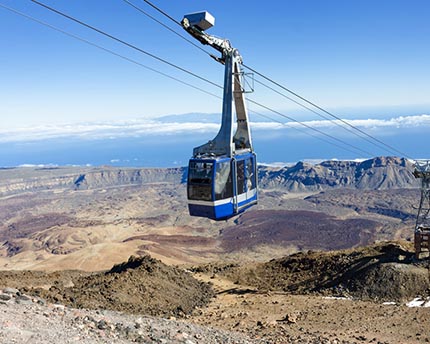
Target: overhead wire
198,88
107,50
165,26
391,148
303,131
336,122
162,12
310,127
369,138
125,43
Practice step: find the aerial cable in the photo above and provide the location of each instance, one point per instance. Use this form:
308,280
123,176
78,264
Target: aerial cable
127,44
337,122
291,99
304,131
163,13
310,127
166,27
107,50
391,148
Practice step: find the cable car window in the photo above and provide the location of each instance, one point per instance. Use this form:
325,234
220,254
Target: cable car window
250,175
223,183
241,177
200,180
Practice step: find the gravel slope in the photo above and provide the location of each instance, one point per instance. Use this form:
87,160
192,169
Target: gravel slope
24,319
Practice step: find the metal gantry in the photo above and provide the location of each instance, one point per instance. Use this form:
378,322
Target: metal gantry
226,142
422,226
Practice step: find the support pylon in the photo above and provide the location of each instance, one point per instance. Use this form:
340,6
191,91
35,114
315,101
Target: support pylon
422,226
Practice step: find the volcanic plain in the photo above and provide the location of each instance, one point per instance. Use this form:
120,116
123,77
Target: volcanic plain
326,255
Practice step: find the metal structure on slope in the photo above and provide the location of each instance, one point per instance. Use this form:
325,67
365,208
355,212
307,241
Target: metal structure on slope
422,226
222,174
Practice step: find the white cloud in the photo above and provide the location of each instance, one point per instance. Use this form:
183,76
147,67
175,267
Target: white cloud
102,131
138,128
395,122
39,165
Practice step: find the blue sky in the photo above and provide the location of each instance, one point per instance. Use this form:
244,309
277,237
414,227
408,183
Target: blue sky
360,59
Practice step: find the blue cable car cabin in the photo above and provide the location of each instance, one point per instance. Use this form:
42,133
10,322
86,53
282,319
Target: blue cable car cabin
219,188
222,174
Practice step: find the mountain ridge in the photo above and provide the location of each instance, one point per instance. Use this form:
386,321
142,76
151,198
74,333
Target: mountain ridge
378,173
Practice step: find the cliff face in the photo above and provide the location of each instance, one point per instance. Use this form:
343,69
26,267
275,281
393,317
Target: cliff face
20,180
373,174
117,177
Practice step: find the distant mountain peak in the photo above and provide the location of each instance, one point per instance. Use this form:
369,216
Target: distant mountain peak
376,173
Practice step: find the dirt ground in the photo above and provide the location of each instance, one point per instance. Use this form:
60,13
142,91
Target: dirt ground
349,296
284,318
356,295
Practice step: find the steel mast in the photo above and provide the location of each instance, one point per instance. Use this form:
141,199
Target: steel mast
225,143
422,226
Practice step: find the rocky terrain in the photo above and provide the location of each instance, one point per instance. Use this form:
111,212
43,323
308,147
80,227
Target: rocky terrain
95,253
25,319
309,297
359,273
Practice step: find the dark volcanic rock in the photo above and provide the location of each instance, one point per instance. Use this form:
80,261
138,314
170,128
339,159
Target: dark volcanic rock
32,224
304,229
397,203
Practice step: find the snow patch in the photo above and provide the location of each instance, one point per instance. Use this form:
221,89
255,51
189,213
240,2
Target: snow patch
419,302
337,298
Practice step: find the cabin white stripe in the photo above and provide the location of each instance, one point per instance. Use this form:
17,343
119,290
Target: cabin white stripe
240,198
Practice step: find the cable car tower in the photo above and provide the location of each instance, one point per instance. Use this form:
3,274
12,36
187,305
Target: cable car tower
422,226
222,174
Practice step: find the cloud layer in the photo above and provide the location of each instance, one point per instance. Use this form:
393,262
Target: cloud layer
139,128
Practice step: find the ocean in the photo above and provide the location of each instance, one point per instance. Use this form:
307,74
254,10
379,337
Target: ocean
161,150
